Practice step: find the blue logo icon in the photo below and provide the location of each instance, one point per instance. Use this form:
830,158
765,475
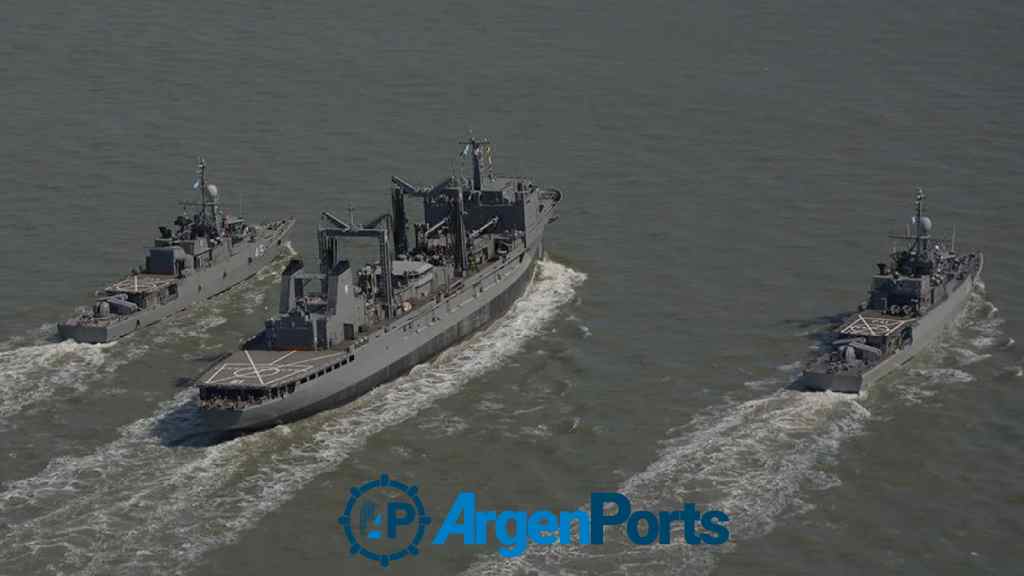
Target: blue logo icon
390,523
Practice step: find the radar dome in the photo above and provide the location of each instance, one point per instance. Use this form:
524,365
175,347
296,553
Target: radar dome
212,191
926,223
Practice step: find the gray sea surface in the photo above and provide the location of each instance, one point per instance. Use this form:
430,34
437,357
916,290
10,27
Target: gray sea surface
730,169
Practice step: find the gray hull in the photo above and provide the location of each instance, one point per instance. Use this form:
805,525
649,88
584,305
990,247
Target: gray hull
926,330
205,283
392,353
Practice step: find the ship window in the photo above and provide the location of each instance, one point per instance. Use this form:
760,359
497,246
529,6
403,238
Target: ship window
328,369
320,372
351,358
337,364
291,388
344,361
304,379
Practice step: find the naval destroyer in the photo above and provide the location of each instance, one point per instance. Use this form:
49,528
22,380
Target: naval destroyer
342,329
204,254
913,297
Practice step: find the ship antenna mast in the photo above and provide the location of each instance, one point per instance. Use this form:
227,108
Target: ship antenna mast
201,184
920,232
475,148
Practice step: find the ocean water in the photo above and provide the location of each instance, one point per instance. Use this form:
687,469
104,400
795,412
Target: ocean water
730,172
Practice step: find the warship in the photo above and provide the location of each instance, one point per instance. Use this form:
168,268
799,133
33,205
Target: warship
343,330
204,254
913,298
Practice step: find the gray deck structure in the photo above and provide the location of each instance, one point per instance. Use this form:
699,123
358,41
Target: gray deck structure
342,331
913,298
205,254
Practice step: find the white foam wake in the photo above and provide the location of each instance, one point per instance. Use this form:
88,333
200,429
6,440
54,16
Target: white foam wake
30,374
137,506
750,459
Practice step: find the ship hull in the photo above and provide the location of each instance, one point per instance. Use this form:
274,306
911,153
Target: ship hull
926,330
391,354
202,285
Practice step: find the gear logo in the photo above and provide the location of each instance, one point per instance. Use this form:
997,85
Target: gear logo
384,520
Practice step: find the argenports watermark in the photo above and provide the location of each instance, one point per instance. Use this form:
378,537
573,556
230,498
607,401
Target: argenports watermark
384,520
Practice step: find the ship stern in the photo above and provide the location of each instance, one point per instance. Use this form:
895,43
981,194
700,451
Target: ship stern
827,382
84,333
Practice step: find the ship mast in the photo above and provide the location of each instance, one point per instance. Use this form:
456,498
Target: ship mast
461,250
920,230
915,259
203,192
207,215
475,148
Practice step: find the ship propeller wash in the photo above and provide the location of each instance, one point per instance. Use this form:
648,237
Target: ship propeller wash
914,296
342,329
205,253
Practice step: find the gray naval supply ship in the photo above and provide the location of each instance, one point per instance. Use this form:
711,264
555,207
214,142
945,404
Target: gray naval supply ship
205,253
342,331
914,296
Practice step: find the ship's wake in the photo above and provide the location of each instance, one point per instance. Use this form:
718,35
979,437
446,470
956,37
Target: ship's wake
975,347
37,366
750,459
139,506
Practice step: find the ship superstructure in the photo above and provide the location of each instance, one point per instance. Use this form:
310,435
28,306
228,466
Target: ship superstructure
343,329
205,252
